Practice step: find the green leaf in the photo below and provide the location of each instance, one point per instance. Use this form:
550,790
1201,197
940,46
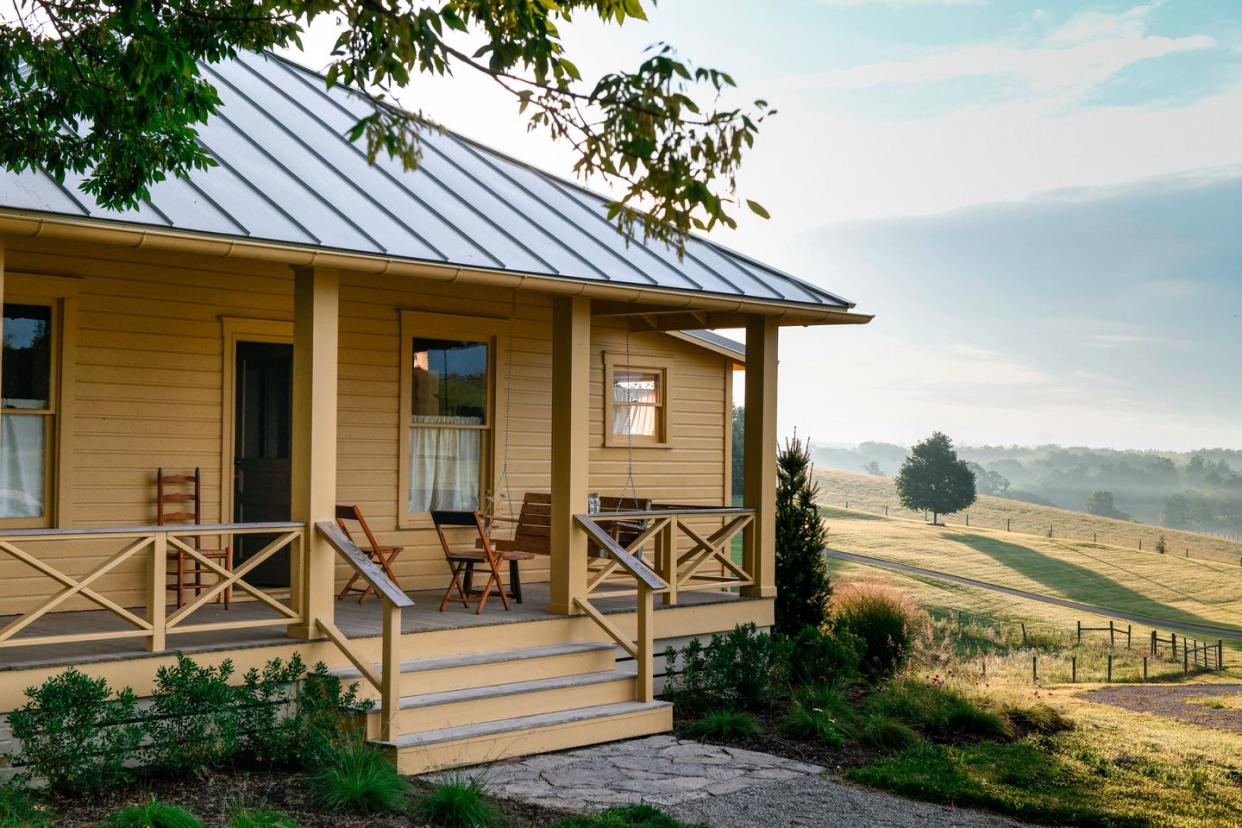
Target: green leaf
757,209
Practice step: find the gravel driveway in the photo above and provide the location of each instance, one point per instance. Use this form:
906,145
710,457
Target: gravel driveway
1174,702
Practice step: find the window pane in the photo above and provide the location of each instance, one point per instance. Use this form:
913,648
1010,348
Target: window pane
635,386
444,468
27,356
21,465
449,379
634,420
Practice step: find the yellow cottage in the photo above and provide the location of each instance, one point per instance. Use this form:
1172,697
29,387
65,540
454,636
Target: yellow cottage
194,391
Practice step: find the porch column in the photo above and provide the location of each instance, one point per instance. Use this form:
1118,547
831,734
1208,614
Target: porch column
315,315
759,455
571,380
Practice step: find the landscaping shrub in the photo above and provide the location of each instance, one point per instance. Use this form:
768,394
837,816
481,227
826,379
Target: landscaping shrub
724,725
193,718
260,818
887,622
821,715
802,585
939,712
888,734
630,816
1036,718
17,810
153,814
459,803
76,734
740,670
828,655
357,778
291,718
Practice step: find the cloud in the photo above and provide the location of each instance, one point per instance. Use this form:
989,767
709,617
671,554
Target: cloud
1079,55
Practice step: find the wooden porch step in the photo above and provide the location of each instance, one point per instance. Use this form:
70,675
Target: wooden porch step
475,670
525,735
491,703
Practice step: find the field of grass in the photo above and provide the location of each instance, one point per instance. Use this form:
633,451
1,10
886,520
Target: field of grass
870,493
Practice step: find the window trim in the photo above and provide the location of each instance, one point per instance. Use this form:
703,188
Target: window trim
423,325
662,366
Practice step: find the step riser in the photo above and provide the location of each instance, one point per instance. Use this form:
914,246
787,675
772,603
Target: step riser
498,708
485,675
425,758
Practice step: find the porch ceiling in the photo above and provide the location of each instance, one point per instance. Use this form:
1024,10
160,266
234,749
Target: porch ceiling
287,177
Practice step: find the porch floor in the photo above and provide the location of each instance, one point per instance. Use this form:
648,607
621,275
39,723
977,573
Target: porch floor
354,620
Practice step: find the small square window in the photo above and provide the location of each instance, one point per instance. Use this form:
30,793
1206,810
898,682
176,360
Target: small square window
636,404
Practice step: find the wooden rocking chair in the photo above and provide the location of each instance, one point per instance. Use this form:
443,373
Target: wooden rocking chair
382,555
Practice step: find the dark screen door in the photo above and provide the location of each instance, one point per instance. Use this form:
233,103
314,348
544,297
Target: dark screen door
261,465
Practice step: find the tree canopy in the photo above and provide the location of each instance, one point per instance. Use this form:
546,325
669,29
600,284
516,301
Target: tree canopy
933,479
114,91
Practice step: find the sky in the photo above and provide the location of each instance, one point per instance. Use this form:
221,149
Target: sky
1040,202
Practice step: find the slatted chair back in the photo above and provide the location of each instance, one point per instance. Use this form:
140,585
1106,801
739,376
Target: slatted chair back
179,499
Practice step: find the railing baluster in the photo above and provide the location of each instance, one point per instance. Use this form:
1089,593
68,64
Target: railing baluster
157,593
645,686
390,675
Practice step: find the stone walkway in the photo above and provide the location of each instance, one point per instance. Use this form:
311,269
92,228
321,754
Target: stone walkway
721,787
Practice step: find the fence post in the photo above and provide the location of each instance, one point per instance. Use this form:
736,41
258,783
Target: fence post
1034,668
1220,655
1079,632
1185,659
1173,641
1008,524
1023,633
1140,544
968,518
1095,537
1073,669
157,593
1129,635
1144,668
886,511
1112,638
1110,668
1153,642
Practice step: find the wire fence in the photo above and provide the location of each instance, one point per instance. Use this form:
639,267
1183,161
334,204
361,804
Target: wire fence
1071,528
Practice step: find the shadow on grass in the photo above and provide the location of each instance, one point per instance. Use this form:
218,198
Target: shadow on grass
1077,583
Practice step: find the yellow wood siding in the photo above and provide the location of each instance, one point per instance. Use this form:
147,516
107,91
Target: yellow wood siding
146,392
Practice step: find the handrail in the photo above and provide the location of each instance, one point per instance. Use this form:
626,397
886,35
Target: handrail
669,510
388,681
178,528
636,568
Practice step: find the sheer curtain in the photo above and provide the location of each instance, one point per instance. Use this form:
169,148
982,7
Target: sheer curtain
444,464
634,410
21,465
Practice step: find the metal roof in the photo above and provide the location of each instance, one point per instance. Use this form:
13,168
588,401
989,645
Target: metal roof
716,342
286,173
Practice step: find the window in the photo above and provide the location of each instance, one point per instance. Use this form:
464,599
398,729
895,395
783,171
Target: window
448,367
26,418
636,401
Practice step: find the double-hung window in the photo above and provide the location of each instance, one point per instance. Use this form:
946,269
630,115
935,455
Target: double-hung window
635,401
27,412
448,370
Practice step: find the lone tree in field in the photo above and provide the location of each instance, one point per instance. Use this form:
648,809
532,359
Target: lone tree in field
934,480
117,91
802,586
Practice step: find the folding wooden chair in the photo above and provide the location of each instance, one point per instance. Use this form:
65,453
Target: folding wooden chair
382,555
462,560
180,491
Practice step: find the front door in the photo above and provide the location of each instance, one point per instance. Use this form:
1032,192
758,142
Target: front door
261,451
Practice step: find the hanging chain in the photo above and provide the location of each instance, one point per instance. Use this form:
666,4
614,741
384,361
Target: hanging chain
629,431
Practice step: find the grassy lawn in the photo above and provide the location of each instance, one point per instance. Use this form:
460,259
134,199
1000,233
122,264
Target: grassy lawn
1192,591
869,493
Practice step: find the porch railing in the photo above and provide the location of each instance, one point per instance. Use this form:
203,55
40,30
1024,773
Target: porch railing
687,556
622,560
153,544
387,682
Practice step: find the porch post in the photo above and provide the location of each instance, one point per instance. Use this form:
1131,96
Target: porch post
571,379
759,455
315,319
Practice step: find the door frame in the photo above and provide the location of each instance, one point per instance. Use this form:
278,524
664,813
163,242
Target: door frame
237,329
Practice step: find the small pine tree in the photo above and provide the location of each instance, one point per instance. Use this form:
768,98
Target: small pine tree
802,586
1161,546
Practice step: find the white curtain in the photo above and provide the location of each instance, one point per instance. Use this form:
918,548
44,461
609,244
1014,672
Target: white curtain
634,396
444,464
21,465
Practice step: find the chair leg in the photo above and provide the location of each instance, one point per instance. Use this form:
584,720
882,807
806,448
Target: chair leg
515,581
494,580
349,587
456,570
469,580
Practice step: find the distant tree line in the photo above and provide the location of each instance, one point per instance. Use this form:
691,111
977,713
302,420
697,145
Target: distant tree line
1199,490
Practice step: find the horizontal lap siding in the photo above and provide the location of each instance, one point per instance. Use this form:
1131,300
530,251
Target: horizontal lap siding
148,393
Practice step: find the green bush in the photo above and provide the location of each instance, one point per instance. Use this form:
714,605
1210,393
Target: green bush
885,620
357,778
260,818
887,734
154,814
193,718
1037,717
740,670
76,734
820,715
458,803
630,816
291,718
724,725
824,656
17,810
939,712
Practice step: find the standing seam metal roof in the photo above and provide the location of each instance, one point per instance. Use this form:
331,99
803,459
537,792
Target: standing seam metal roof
286,173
